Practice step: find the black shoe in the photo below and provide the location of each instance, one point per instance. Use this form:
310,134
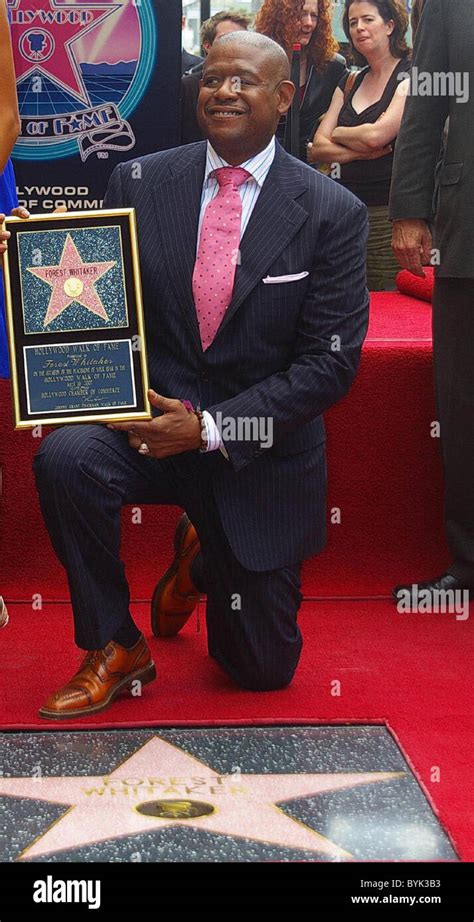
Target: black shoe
444,583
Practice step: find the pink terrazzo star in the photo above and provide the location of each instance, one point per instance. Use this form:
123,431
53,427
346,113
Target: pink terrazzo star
73,280
246,806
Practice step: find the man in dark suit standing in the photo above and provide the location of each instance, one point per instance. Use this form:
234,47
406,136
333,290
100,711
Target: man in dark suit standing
253,272
443,88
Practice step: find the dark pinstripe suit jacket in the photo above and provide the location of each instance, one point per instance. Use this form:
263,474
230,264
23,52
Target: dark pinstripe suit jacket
286,351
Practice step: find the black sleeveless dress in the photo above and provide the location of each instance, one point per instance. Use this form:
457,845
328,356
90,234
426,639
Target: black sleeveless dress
370,179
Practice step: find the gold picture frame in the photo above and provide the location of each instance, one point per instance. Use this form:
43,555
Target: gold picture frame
75,320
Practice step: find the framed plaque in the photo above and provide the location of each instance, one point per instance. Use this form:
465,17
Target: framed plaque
75,319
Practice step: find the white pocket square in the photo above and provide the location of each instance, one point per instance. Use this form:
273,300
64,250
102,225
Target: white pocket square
281,279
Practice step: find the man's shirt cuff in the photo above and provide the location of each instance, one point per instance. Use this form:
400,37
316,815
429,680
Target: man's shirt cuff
213,435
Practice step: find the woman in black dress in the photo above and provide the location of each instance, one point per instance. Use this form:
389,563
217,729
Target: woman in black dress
357,136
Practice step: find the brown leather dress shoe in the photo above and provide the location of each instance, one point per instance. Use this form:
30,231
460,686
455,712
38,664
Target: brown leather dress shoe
102,676
175,596
3,614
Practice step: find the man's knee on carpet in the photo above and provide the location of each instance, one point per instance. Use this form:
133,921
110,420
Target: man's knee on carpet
260,673
265,679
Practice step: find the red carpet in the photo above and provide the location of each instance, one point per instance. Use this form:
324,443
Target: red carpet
384,477
409,671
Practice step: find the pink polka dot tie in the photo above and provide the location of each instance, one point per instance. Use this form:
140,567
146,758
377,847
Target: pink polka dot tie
214,271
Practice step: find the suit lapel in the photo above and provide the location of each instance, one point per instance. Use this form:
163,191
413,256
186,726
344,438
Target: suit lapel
276,218
177,204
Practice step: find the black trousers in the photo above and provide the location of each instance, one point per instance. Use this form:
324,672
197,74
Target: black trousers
453,344
84,475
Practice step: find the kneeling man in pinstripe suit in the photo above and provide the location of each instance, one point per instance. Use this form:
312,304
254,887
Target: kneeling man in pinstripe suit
253,271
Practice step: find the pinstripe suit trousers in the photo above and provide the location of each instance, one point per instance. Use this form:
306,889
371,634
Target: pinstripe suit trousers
84,475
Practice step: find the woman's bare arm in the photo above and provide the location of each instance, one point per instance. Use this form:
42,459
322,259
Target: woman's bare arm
323,149
381,133
326,150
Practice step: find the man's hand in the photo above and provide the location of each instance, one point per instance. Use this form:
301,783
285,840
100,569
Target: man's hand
412,244
19,212
177,430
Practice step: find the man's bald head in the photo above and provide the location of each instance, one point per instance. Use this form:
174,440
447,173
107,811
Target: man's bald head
273,54
244,92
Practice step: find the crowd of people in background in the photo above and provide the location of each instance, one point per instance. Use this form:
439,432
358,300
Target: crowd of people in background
350,107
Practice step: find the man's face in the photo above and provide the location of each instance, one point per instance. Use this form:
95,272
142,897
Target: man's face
223,28
242,98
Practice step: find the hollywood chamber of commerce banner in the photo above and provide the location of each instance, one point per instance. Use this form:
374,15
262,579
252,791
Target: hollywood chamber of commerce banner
98,83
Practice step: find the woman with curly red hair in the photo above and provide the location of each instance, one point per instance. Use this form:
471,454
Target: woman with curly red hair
310,24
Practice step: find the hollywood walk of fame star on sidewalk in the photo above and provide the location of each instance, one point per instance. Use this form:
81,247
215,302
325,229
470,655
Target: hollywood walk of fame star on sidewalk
73,280
105,808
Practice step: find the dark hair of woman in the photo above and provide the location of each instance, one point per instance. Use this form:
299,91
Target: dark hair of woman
389,10
280,20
